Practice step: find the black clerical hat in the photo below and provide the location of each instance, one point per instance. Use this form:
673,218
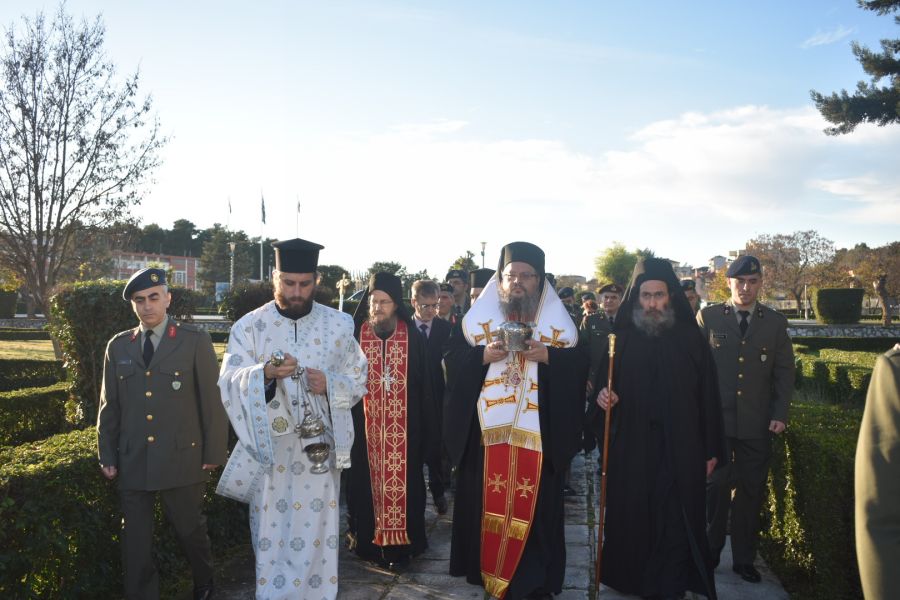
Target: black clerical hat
743,265
522,252
296,256
480,277
143,279
388,283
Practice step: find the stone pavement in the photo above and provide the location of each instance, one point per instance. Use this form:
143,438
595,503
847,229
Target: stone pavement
427,578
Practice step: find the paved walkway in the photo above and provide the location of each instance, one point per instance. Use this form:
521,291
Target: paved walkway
427,576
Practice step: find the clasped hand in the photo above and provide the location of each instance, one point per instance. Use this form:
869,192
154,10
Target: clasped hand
316,382
494,352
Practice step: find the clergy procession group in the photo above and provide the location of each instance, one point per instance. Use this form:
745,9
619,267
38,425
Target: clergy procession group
490,385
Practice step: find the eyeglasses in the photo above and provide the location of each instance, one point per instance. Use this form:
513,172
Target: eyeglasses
647,296
431,306
520,276
380,302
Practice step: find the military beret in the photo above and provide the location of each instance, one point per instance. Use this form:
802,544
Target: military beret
456,274
588,296
143,279
744,265
446,287
688,285
611,288
566,292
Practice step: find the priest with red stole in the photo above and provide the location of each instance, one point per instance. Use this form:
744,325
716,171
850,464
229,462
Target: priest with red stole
394,431
512,425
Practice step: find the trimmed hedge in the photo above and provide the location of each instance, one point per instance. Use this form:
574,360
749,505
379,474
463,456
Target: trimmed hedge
24,334
84,316
853,344
809,541
833,381
18,373
838,305
33,413
60,523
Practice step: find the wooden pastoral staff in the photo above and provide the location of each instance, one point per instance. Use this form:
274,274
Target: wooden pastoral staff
602,515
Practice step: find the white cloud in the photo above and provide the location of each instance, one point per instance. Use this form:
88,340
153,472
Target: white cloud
823,38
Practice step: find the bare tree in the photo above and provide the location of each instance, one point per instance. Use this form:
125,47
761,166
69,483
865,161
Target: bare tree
75,145
791,261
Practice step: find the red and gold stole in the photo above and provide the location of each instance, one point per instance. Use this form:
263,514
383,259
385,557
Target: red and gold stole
385,408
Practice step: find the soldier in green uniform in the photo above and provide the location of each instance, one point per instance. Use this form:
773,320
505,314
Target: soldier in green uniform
690,291
755,365
596,328
877,482
161,428
567,295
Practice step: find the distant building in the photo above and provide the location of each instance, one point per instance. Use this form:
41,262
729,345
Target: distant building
717,263
184,269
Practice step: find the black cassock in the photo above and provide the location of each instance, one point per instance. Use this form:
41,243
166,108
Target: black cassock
422,440
667,423
561,411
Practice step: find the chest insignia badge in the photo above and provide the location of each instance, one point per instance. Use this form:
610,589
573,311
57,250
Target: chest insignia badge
176,385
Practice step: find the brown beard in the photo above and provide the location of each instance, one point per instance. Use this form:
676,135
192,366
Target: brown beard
653,323
294,308
384,327
523,308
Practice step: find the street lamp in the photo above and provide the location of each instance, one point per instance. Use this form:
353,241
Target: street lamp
231,273
483,244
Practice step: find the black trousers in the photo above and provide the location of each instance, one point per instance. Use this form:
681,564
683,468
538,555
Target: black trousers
745,471
183,507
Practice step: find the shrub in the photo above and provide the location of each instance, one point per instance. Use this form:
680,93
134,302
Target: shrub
853,344
17,373
60,523
809,542
244,297
833,381
32,414
9,335
84,316
8,299
838,305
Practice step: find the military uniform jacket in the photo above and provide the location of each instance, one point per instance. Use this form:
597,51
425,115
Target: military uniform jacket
159,423
756,372
594,332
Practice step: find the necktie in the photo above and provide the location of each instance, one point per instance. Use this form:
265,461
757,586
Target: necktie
424,329
148,348
611,321
744,324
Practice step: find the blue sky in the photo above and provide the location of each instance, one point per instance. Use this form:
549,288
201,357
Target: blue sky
412,131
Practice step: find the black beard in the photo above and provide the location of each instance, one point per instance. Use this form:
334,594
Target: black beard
295,309
383,328
654,323
521,308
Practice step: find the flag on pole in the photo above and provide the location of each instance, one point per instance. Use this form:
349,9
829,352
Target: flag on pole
263,208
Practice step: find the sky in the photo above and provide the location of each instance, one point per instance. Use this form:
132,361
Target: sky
414,131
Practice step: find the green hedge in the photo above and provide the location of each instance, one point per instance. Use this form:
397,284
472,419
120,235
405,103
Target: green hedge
84,340
838,305
60,523
855,344
18,373
33,414
11,334
831,380
809,541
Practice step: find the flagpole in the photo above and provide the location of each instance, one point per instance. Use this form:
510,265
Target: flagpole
262,276
298,215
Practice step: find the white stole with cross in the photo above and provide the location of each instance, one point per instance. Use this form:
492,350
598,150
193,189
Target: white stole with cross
508,404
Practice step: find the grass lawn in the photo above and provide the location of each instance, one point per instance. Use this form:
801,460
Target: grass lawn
31,349
43,349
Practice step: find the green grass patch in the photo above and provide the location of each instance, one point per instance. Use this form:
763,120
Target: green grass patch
30,349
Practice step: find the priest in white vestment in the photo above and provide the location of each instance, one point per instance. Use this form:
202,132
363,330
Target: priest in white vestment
289,359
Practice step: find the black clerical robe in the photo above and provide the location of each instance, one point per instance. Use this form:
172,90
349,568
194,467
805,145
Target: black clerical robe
422,437
667,424
561,412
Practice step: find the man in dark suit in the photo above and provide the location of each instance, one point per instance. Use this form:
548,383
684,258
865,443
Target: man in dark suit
436,333
755,364
161,428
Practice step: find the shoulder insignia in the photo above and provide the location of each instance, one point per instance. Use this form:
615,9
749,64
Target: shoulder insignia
170,330
759,311
726,308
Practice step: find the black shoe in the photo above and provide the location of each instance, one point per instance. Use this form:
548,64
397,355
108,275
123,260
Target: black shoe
747,573
204,592
440,504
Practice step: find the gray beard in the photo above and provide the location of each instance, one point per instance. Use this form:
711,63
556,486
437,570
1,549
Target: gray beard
523,308
384,328
655,323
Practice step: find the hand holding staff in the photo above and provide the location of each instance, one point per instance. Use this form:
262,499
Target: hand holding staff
607,399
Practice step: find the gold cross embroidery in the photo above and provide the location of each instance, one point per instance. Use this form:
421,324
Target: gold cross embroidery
533,386
524,487
488,403
495,381
488,334
497,483
554,341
